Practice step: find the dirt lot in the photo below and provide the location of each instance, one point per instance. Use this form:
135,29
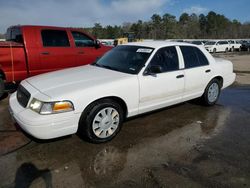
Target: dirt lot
187,145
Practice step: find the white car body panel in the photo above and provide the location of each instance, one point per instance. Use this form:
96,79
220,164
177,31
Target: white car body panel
141,93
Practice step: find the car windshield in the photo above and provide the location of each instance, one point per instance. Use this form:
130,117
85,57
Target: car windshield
210,43
126,59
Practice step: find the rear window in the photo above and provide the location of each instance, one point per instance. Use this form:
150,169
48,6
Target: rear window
14,34
55,38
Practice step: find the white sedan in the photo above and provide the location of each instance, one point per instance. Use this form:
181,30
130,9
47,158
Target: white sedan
217,46
130,79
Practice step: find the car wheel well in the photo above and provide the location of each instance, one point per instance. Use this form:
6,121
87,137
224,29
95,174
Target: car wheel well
220,79
115,99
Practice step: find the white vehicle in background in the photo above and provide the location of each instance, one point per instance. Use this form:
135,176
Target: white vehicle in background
217,46
234,45
129,80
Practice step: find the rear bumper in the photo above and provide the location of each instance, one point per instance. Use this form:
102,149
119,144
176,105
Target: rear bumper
43,126
229,80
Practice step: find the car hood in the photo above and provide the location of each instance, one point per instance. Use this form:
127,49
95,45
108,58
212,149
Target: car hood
63,81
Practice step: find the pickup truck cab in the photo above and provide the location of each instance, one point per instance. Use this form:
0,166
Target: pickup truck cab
32,50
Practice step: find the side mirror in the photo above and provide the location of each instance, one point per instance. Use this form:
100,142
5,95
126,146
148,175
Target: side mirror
97,44
153,70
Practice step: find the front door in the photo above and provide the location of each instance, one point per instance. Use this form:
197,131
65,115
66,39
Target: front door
85,48
164,88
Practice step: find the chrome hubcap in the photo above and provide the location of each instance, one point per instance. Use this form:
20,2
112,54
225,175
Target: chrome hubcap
105,122
213,92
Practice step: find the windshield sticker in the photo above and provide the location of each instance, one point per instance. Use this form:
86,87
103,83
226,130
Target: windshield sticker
144,50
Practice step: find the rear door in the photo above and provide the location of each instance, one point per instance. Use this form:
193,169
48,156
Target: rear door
56,52
197,72
164,88
85,48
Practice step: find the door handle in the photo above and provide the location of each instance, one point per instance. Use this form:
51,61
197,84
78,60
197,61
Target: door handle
81,52
207,71
180,76
45,53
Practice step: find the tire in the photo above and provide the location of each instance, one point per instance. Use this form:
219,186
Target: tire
211,93
101,121
226,50
232,49
2,88
214,50
248,49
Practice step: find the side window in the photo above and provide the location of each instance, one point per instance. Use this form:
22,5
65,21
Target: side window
190,57
202,58
193,57
55,38
82,40
167,58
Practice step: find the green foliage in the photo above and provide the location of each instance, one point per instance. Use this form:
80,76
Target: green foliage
191,26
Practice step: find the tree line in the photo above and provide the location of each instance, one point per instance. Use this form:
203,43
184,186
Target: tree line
188,26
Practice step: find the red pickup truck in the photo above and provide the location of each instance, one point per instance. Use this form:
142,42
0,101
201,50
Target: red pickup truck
32,50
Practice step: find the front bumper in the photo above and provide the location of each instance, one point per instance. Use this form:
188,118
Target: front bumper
43,126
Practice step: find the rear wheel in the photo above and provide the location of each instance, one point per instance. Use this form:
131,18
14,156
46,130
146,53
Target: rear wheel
226,50
214,50
1,87
101,121
212,92
232,49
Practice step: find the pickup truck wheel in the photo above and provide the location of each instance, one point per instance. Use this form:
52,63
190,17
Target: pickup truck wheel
101,121
1,87
212,93
214,50
226,50
232,49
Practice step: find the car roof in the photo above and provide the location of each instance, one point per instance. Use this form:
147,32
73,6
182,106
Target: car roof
158,44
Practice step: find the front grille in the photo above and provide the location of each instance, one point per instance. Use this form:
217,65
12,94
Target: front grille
23,96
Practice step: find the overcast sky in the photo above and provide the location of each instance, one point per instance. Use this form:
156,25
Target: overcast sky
84,13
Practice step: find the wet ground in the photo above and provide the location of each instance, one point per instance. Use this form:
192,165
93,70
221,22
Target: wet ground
187,145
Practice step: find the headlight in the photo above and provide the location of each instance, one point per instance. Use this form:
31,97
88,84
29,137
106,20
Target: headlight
50,107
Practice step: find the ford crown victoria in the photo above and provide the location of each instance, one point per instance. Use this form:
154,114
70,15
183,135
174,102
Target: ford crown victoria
130,79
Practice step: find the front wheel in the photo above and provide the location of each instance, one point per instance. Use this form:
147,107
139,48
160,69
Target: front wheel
212,93
101,121
1,87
